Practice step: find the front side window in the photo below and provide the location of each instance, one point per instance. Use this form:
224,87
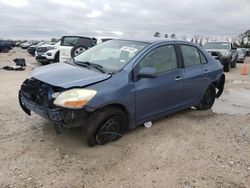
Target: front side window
190,55
162,59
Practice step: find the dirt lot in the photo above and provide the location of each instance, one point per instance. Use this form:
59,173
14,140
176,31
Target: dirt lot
189,149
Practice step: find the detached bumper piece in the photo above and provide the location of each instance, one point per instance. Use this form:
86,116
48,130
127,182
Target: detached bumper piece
36,96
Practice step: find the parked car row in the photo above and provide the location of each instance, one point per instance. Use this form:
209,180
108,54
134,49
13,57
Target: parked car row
25,45
32,49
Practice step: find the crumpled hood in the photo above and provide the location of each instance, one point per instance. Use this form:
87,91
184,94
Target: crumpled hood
66,76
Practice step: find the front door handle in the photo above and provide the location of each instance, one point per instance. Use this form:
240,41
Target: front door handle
178,78
206,71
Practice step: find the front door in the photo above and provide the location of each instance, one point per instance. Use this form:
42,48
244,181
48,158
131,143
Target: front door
155,96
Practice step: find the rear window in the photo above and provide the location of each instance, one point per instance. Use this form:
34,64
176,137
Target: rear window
69,41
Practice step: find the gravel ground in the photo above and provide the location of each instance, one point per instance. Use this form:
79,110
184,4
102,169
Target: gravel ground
189,149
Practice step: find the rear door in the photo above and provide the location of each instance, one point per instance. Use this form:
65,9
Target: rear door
155,96
193,75
207,69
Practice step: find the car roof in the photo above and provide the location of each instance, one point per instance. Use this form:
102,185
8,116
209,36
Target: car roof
154,40
78,36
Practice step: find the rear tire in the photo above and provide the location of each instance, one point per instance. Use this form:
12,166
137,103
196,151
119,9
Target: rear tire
57,57
77,50
208,98
105,125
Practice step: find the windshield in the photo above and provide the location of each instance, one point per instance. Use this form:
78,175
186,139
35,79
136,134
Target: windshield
112,55
217,45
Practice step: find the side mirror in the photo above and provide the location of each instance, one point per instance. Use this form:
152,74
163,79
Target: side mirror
147,72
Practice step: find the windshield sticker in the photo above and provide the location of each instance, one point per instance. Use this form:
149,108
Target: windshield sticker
128,49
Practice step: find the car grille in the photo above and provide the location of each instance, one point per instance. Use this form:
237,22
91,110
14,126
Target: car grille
39,92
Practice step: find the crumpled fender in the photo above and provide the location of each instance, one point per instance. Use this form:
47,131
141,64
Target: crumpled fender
220,86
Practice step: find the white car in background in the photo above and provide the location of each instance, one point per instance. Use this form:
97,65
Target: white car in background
72,46
48,53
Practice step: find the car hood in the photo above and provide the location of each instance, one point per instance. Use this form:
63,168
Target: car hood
67,76
222,51
47,45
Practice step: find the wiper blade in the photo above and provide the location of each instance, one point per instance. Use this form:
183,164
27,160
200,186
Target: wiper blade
93,65
70,61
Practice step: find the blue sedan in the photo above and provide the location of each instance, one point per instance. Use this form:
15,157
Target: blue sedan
121,84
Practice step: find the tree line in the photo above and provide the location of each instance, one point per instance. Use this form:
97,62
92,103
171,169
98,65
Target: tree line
242,40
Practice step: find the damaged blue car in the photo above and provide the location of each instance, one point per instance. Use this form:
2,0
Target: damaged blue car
121,84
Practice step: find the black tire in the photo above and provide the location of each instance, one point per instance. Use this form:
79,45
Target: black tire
208,98
233,64
226,67
76,50
105,125
57,57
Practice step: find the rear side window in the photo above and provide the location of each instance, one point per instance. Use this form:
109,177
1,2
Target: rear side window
162,58
190,55
203,59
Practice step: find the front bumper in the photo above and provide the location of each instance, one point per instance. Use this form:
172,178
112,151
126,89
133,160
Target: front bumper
43,59
51,114
66,118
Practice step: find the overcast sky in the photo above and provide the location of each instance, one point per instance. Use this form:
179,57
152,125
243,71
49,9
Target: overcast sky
41,19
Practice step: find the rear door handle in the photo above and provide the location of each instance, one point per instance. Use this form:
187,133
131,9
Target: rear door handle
206,71
178,78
